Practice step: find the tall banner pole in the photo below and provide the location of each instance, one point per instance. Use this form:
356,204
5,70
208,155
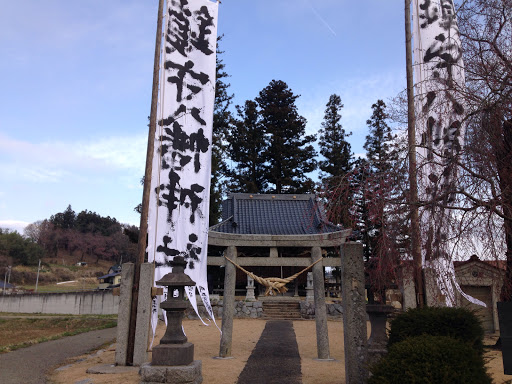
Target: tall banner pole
141,246
440,127
181,172
413,181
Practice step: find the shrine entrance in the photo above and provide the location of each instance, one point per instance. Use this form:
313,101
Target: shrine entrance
274,224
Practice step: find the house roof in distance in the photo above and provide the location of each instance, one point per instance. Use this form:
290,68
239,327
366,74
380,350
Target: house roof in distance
273,214
7,285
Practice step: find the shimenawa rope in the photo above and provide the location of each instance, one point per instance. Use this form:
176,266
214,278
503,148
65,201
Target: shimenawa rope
274,284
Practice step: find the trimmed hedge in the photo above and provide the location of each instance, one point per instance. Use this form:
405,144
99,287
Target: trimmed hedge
458,323
430,360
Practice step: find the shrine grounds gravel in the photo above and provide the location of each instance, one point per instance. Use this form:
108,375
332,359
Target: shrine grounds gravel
246,333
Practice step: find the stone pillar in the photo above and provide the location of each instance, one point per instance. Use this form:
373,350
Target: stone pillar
123,315
274,252
408,289
296,293
249,296
140,352
310,296
228,310
354,313
322,335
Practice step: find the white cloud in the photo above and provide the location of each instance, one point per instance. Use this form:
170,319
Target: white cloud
14,225
120,152
54,161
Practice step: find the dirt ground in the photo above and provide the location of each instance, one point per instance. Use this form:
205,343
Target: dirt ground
246,333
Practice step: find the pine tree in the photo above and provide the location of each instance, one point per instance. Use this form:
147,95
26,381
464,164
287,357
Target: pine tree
221,120
290,152
246,148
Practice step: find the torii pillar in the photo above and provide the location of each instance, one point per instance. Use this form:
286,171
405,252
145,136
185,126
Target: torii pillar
322,334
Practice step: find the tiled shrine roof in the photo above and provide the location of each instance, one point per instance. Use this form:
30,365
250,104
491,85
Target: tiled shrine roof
273,214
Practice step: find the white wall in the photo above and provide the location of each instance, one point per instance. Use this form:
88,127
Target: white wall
74,303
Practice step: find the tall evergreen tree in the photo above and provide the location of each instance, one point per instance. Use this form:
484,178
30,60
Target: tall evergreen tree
333,143
290,152
246,148
221,120
337,151
64,220
378,147
375,192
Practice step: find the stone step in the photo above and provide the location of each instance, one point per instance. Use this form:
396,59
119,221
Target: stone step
278,313
288,307
282,310
274,304
283,314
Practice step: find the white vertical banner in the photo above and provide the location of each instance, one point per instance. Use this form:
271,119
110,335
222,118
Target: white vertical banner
180,184
439,86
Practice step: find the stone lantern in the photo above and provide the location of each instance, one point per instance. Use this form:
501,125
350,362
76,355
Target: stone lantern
377,343
174,349
173,359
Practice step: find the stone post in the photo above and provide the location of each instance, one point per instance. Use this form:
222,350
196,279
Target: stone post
249,296
123,315
140,351
322,336
228,310
310,296
354,313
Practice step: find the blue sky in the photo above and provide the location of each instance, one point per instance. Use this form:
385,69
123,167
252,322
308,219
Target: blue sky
76,87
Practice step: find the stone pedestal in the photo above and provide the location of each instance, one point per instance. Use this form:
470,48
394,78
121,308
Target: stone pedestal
310,295
182,374
249,296
378,314
173,354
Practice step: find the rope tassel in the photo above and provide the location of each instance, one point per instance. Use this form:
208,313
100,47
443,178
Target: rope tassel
274,285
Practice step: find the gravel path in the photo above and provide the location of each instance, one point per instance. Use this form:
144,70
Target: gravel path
275,358
29,365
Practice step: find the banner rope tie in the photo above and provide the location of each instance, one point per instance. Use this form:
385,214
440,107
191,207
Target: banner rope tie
274,284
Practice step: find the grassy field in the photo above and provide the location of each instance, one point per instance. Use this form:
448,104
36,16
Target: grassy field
87,285
19,332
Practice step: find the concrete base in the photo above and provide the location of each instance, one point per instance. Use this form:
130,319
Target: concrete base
173,354
183,374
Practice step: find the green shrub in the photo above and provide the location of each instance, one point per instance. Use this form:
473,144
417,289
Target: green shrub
458,323
430,360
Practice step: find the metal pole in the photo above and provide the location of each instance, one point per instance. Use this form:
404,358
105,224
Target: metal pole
141,249
37,278
413,182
